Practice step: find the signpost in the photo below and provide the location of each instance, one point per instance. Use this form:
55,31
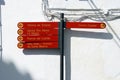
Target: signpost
47,35
61,45
38,32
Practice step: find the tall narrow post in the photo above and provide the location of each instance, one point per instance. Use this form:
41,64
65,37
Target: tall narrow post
61,31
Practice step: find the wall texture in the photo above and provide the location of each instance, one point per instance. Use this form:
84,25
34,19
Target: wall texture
89,54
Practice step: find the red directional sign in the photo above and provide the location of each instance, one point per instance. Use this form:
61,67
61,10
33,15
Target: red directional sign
37,32
39,25
37,38
52,25
44,45
89,25
46,34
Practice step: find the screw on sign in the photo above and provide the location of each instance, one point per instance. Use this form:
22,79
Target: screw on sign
20,38
20,31
103,25
20,25
20,45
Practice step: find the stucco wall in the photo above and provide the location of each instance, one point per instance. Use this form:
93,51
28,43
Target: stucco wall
90,54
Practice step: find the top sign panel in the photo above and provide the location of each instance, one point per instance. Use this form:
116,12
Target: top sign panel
32,25
89,25
55,25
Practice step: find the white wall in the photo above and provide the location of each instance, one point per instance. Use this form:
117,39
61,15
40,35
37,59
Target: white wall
90,54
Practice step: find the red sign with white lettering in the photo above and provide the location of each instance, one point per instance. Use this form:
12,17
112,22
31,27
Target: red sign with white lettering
38,25
44,45
37,38
53,25
89,25
46,34
37,32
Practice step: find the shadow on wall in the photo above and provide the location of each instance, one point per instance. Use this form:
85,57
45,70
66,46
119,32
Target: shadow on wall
41,52
89,34
67,46
2,2
8,71
109,28
67,41
80,34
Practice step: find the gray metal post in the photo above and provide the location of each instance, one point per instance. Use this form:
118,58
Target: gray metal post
61,44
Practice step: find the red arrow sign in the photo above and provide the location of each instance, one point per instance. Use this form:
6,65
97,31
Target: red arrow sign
35,25
41,45
53,25
37,38
37,32
45,34
89,25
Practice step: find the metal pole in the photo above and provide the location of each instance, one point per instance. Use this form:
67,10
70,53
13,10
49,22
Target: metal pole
61,46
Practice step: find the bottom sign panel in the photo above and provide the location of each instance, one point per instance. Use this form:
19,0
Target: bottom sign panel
42,45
